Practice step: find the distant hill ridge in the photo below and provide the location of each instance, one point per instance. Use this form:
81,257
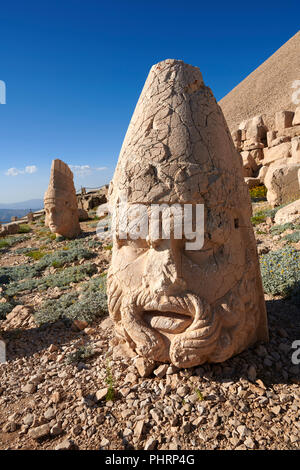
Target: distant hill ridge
7,214
33,204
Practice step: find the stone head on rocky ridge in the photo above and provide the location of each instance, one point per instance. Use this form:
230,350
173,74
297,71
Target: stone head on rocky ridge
61,210
170,303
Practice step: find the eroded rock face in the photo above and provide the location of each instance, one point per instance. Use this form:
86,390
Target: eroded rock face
282,183
289,213
61,212
170,303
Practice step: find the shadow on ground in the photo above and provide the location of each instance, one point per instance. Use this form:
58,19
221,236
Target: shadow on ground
27,342
272,361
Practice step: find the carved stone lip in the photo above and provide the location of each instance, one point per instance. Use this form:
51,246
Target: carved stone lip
169,322
167,317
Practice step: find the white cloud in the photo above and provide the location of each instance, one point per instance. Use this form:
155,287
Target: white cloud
16,171
12,172
30,169
85,170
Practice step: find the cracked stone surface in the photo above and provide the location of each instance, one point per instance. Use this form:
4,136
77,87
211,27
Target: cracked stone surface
60,201
170,304
282,183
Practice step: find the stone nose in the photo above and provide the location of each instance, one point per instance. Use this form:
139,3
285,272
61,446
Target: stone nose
163,269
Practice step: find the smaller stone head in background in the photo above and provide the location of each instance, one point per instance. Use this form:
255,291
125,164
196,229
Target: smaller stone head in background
60,201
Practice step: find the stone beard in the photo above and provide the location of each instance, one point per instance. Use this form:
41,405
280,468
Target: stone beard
170,304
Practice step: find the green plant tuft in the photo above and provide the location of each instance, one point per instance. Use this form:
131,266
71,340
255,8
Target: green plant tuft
280,271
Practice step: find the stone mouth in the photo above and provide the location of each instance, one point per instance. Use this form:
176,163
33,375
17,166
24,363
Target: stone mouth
167,321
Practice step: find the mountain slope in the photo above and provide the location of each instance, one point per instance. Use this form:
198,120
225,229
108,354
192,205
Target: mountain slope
267,89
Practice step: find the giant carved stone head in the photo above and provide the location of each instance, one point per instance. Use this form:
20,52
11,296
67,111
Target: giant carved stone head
170,303
60,201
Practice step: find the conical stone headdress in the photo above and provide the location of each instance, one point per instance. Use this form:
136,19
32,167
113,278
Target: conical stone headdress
61,184
170,304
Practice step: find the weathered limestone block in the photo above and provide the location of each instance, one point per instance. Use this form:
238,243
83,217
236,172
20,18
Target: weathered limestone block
276,153
291,131
295,150
251,182
255,129
169,301
237,139
262,173
282,183
296,120
283,119
30,217
257,155
9,229
60,201
249,165
280,140
82,215
89,200
271,135
289,213
252,144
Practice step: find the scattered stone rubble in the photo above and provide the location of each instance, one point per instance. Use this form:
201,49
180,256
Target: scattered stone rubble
272,155
88,200
251,401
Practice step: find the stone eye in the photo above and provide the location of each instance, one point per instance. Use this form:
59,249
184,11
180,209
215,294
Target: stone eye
236,223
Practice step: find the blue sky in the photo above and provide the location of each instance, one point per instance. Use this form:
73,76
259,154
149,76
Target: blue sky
74,71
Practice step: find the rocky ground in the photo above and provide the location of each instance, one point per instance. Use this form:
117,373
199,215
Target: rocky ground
68,386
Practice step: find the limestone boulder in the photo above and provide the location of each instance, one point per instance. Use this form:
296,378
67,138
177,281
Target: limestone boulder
271,135
9,229
291,131
255,128
251,182
262,173
90,200
289,213
296,120
249,164
252,144
30,217
282,183
283,119
279,152
237,138
82,215
280,140
295,150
